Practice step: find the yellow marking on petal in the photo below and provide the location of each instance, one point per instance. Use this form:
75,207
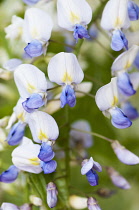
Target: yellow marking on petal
20,32
21,116
35,33
118,22
128,65
66,78
115,101
35,161
42,136
74,18
30,88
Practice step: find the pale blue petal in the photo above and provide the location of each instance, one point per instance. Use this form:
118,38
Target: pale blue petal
9,175
119,120
136,61
46,153
68,96
130,111
34,48
16,134
80,32
97,166
35,101
87,166
124,84
119,41
133,11
49,167
30,2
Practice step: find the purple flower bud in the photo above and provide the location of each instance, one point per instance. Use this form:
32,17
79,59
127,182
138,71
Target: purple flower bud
51,194
46,153
35,101
105,192
9,206
119,41
9,175
133,11
97,166
25,206
16,134
130,111
92,178
92,204
124,84
117,179
80,32
49,167
68,96
124,155
34,48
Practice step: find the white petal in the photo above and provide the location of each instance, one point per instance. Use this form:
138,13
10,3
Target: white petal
19,111
52,107
12,64
115,15
107,96
134,78
12,120
125,60
72,12
15,30
37,25
9,206
25,157
87,166
64,68
78,202
83,87
29,79
133,38
43,127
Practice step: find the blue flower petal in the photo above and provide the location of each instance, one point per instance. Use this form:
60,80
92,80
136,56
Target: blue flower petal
34,48
68,96
124,84
119,119
46,153
35,101
136,61
30,2
16,134
49,167
80,32
130,111
92,178
133,11
9,175
119,41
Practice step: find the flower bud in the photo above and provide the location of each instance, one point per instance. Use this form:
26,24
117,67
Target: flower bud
51,194
105,192
77,202
124,155
117,179
92,204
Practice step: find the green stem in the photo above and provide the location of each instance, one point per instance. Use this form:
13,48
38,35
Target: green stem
78,47
94,134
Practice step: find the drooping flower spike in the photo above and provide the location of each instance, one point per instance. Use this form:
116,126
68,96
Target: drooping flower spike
88,169
65,70
37,31
133,10
32,86
107,99
74,15
114,18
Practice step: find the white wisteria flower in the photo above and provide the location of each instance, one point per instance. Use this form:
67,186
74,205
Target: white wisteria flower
32,86
65,70
114,18
37,31
74,15
107,100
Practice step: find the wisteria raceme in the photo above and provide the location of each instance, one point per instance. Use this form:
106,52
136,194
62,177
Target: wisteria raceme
48,138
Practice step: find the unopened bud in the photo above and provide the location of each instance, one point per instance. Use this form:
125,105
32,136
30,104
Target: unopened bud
51,194
92,204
